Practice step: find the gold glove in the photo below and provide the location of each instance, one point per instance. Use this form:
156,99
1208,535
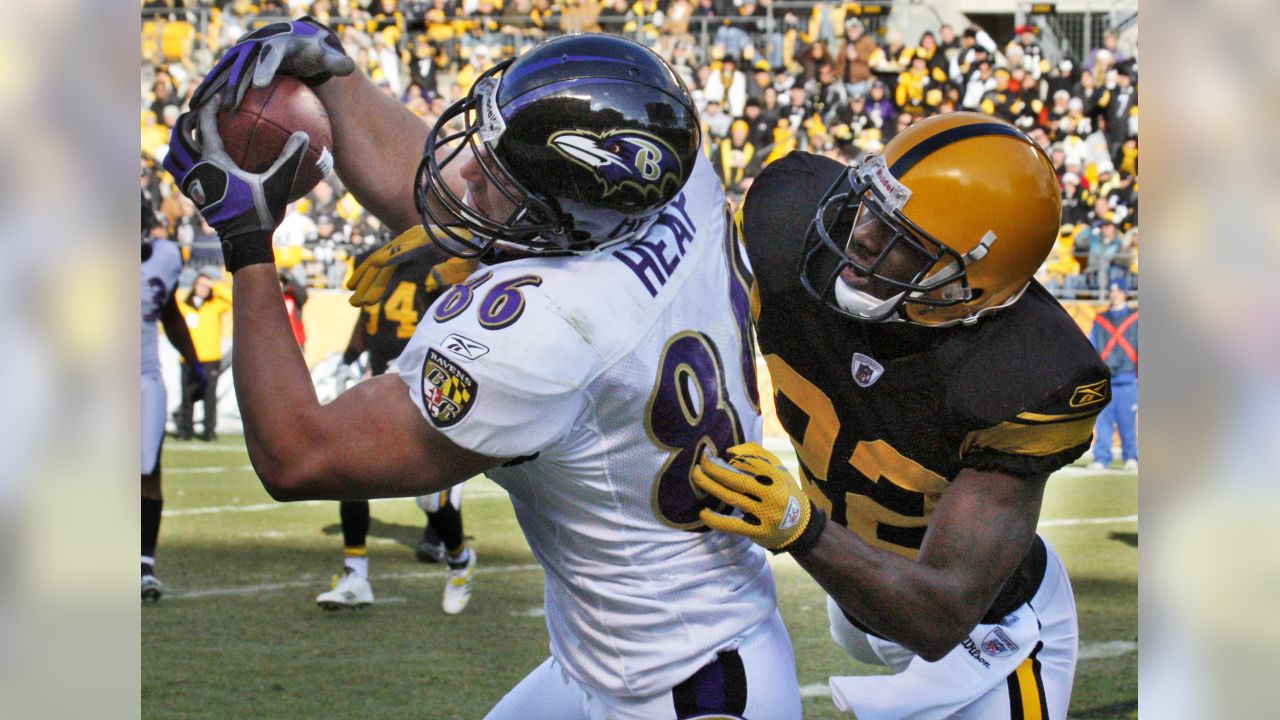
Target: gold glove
776,512
371,279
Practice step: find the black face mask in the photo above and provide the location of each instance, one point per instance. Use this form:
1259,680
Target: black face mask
826,243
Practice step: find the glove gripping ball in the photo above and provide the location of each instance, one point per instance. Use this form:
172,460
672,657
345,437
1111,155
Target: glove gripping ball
255,134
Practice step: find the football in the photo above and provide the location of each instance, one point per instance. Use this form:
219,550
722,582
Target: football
256,132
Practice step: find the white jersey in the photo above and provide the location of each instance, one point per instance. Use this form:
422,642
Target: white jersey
159,278
604,375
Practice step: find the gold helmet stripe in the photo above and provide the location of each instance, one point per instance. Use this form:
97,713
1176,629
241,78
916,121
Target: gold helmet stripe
932,144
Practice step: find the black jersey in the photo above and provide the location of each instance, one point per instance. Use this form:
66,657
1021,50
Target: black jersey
389,324
884,415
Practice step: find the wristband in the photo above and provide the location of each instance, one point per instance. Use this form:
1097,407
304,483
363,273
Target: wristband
803,544
251,248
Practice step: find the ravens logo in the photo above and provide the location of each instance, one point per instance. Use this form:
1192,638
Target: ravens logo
621,159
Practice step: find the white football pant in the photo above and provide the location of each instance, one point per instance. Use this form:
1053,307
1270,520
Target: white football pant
1019,669
758,682
153,408
433,502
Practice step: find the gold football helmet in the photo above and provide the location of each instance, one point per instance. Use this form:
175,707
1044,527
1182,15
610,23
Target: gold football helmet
973,197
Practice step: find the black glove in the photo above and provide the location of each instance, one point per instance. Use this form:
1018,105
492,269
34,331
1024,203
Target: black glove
303,48
244,207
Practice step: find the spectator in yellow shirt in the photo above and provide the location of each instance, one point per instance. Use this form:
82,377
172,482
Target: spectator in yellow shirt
204,309
912,82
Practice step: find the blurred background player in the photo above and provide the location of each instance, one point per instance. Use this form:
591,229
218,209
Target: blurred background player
203,308
1115,337
295,296
382,330
161,263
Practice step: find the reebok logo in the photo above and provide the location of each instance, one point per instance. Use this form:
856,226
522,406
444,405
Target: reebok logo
465,347
1090,394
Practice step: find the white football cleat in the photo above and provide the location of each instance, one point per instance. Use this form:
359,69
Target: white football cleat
457,585
1131,466
349,591
152,588
1095,465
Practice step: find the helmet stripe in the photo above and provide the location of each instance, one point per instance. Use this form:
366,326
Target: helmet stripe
933,144
537,94
548,90
561,59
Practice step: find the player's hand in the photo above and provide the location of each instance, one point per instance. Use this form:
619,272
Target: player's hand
303,48
372,278
244,207
776,512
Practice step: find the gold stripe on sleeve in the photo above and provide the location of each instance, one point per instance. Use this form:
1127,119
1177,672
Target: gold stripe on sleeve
1021,439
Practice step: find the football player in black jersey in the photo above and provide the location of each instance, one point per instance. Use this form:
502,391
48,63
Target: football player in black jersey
383,329
929,387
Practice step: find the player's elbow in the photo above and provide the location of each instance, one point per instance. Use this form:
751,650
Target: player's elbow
951,624
288,476
281,482
284,486
934,641
934,649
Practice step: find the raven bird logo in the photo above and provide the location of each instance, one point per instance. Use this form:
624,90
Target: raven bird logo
623,159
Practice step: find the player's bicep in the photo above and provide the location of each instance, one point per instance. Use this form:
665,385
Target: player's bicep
379,445
981,530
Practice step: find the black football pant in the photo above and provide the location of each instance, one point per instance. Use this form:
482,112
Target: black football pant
186,427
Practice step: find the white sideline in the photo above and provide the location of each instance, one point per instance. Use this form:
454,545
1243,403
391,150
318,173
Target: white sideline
485,491
1114,648
1088,521
474,493
313,582
206,469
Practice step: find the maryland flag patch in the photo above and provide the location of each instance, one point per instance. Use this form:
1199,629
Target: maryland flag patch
447,390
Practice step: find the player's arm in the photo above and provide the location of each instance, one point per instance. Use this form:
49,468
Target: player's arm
374,443
176,329
377,141
377,147
980,532
370,442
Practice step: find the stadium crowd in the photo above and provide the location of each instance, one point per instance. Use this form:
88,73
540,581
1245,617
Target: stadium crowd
813,76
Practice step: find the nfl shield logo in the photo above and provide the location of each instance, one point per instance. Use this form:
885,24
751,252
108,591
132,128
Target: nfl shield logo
791,516
998,644
866,370
197,192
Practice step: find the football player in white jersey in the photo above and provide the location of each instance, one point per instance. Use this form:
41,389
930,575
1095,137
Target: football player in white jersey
603,345
161,263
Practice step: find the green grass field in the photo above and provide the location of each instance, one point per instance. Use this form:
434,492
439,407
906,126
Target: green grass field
238,633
